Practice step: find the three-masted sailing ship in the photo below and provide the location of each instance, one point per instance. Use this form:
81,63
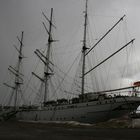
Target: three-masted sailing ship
88,106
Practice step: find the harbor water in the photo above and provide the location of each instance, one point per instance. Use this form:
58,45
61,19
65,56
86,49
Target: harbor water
111,130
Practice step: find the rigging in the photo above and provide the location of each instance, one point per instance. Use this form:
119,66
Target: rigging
110,56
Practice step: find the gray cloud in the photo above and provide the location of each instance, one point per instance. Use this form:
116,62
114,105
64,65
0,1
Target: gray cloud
18,15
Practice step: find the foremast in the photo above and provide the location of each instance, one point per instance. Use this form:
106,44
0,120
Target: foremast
17,78
16,71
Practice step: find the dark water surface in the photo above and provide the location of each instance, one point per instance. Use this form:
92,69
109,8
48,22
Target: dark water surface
50,131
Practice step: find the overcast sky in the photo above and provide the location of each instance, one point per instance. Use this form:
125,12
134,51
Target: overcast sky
25,15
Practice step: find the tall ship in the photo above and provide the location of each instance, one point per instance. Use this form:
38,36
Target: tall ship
87,106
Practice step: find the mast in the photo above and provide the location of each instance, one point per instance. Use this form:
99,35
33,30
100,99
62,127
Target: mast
17,78
16,72
84,49
47,72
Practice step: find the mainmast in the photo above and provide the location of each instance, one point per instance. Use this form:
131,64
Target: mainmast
84,49
47,72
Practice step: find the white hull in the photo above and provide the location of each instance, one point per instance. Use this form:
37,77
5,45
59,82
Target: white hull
90,112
